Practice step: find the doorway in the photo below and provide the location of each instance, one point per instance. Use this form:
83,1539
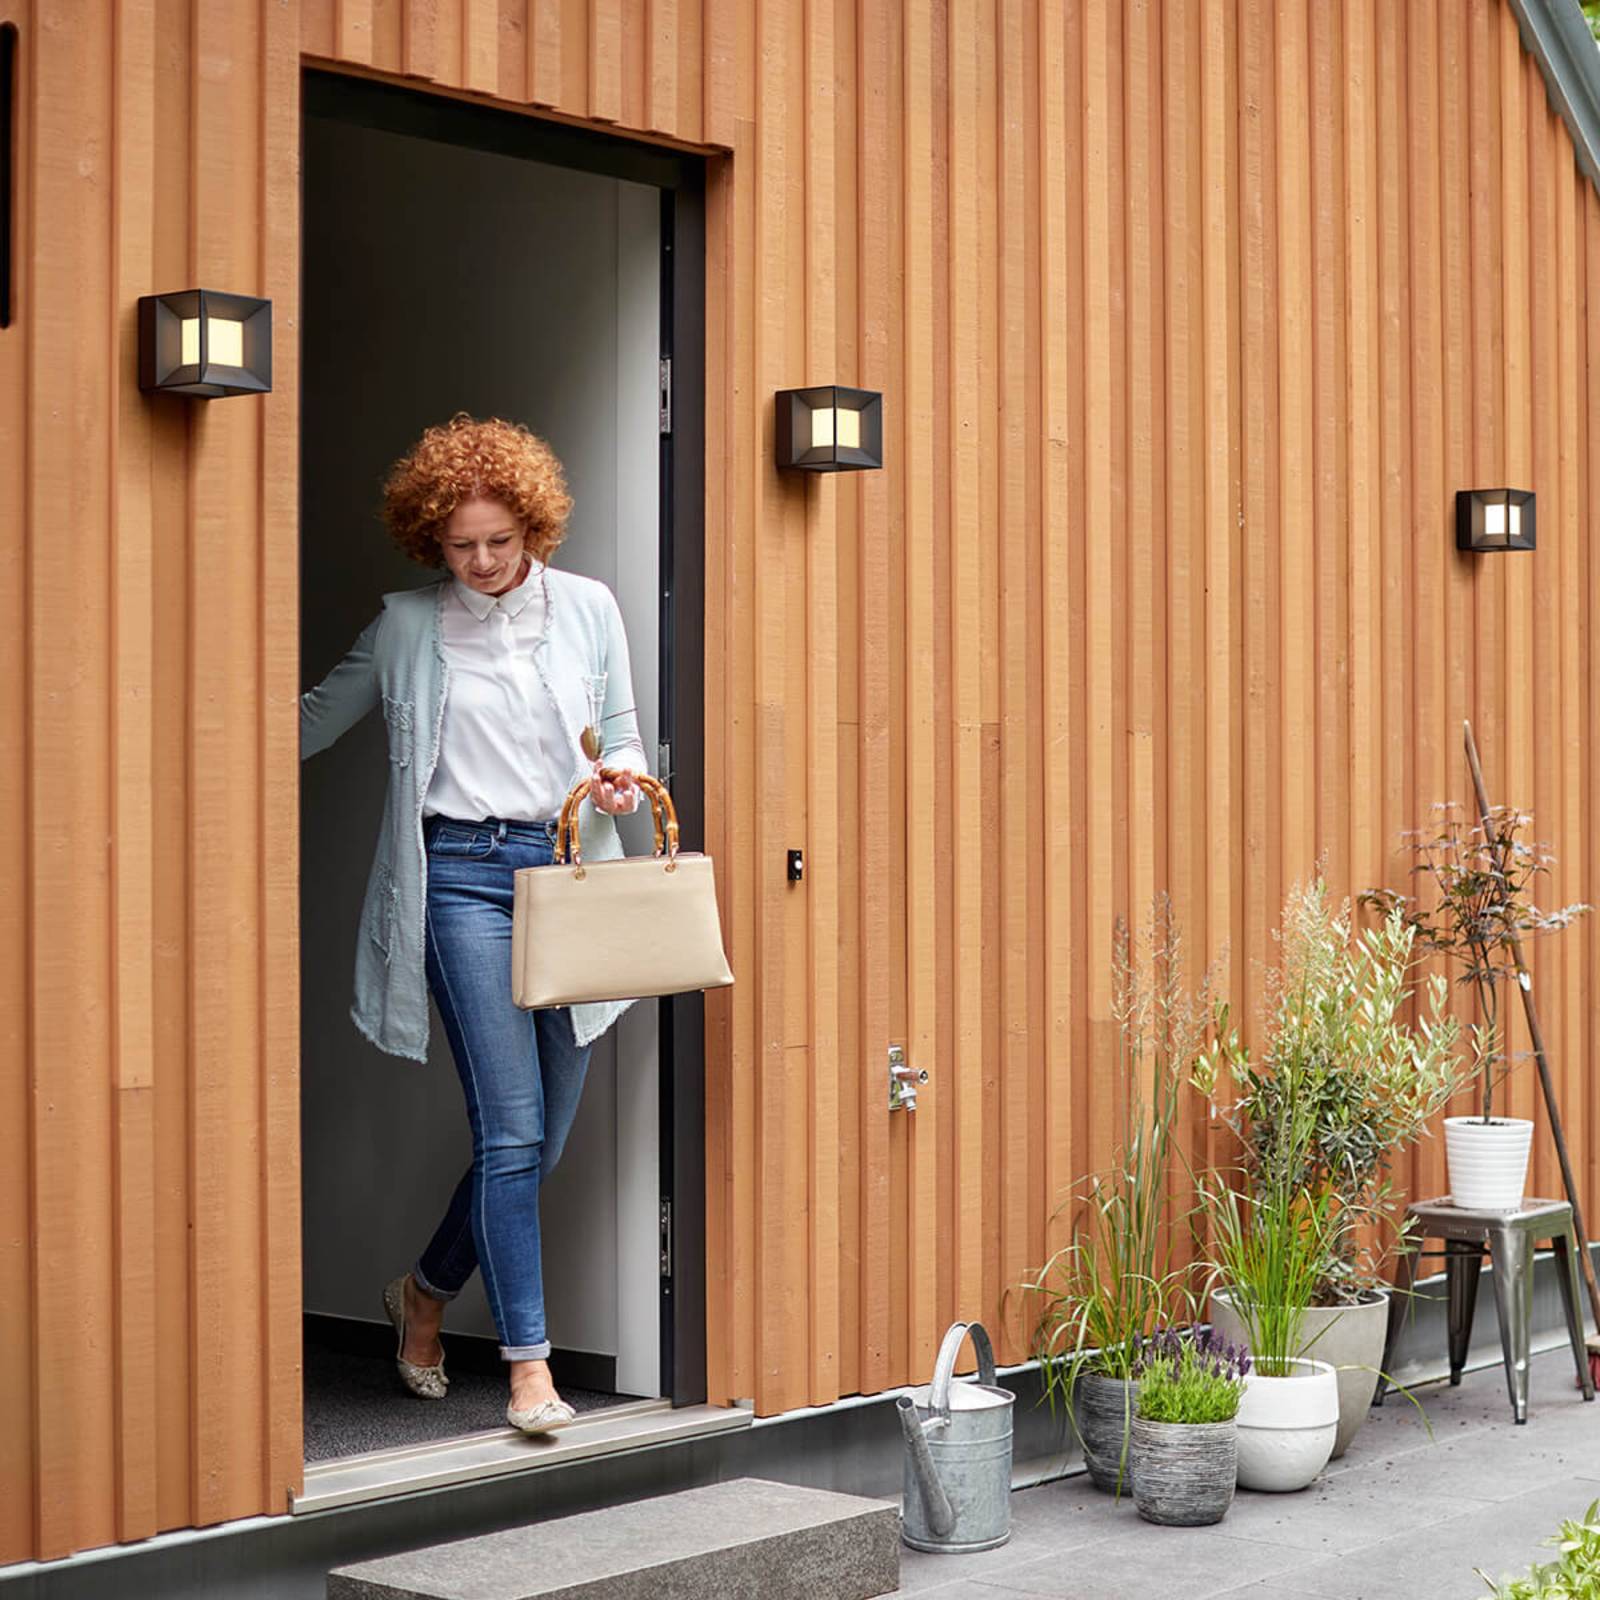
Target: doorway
458,258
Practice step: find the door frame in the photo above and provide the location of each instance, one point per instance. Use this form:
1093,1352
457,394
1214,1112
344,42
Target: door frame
421,112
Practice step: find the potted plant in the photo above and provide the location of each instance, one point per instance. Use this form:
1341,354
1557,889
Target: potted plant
1269,1244
1185,1448
1112,1282
1342,1085
1482,910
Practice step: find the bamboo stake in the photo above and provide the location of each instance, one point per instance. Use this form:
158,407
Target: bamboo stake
1536,1034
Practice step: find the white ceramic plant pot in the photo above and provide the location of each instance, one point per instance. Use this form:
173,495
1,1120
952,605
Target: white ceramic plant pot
1349,1338
1287,1427
1487,1161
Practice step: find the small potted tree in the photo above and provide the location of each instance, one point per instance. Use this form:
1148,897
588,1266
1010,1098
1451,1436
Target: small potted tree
1343,1084
1113,1282
1482,909
1185,1449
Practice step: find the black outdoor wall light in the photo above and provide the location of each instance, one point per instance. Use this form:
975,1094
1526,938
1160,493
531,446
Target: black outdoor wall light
204,343
830,429
1494,519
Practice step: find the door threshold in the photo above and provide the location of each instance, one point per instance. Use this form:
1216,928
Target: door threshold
407,1469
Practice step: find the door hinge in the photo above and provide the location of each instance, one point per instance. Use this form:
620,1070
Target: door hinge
664,761
666,1238
665,394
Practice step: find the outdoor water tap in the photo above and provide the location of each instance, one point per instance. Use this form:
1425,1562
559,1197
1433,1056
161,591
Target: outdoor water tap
903,1080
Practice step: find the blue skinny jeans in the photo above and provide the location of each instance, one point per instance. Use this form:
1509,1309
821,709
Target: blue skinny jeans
521,1072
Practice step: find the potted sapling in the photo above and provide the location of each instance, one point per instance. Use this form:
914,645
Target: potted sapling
1481,911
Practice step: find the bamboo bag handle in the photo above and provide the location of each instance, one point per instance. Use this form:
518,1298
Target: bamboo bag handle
662,812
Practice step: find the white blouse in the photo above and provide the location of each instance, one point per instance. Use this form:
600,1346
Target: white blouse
502,751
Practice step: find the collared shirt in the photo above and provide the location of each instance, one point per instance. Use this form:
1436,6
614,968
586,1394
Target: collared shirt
502,750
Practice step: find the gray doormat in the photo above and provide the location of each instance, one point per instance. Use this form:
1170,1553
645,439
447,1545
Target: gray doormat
354,1403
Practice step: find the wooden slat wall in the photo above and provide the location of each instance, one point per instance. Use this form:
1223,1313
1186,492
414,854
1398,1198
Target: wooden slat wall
1190,318
148,941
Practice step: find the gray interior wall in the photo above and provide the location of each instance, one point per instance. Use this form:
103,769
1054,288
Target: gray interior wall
439,279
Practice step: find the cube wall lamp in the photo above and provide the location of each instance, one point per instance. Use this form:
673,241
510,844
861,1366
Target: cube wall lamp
829,429
1494,519
201,342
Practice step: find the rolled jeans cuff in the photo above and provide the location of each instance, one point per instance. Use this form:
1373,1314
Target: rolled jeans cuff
525,1352
428,1289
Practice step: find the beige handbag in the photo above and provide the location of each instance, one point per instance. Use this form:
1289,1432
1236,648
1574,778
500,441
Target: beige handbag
616,930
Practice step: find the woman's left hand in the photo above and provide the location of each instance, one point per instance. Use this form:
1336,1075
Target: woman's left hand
614,791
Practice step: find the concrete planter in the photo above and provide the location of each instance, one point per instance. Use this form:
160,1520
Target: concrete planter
1287,1427
1487,1161
1102,1409
1348,1338
1183,1472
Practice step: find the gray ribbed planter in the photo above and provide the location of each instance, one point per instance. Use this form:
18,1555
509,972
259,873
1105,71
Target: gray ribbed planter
1349,1338
1102,1409
1183,1472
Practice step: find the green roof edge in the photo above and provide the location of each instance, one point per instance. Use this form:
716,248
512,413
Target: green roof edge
1557,37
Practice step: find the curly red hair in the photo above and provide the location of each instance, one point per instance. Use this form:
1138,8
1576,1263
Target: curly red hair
464,459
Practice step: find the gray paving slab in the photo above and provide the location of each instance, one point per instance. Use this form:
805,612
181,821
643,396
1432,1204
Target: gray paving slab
1044,1522
1150,1561
1338,1515
1435,1562
972,1589
1272,1587
1485,1466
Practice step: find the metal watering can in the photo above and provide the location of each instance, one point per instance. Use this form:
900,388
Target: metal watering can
958,1454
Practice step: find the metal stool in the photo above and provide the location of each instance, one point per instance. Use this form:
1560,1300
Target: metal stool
1510,1238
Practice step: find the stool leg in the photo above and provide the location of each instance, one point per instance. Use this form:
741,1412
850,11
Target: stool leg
1463,1266
1405,1272
1566,1264
1512,1263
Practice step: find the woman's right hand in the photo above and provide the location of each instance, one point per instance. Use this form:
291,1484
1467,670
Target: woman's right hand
614,791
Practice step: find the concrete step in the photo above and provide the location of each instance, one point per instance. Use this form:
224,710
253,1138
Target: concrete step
743,1540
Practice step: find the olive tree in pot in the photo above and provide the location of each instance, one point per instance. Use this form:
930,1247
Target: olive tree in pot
1481,912
1343,1084
1185,1451
1113,1282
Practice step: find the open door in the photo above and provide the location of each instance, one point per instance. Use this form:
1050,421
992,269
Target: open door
461,259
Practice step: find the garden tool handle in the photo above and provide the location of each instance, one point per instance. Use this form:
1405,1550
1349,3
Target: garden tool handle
944,1369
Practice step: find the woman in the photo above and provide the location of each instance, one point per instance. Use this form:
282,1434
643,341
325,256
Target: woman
488,680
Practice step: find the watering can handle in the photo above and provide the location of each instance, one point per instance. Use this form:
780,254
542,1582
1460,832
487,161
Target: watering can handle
944,1369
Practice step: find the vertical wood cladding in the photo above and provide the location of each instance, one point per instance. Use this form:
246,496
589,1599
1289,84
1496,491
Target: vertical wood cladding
1190,318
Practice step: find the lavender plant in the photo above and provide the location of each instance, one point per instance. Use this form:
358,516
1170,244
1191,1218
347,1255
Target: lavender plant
1190,1376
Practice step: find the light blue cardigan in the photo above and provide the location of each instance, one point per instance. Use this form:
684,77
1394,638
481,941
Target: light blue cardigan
399,662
